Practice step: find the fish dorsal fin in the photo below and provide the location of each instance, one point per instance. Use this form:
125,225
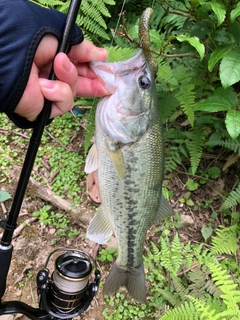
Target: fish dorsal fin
164,210
91,160
99,229
118,162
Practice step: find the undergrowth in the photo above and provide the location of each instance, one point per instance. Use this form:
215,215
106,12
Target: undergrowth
187,281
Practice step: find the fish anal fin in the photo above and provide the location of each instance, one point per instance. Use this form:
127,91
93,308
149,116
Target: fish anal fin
91,160
164,210
132,279
99,229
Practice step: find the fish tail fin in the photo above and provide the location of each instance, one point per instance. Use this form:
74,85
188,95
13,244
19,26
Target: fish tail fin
133,280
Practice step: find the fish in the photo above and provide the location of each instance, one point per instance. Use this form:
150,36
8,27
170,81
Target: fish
128,156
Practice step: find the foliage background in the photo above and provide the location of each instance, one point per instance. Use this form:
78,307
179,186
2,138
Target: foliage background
196,44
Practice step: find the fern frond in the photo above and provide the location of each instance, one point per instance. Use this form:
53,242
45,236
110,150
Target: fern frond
92,17
225,241
204,309
232,200
230,295
165,75
231,144
171,257
90,128
186,311
119,54
170,297
180,289
186,97
195,144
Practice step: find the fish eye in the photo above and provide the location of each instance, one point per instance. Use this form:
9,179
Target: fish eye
144,82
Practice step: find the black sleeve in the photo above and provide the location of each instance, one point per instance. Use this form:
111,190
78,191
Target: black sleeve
23,24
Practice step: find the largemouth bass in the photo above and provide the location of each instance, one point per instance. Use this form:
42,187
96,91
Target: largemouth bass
128,156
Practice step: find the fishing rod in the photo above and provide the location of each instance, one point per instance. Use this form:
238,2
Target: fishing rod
68,291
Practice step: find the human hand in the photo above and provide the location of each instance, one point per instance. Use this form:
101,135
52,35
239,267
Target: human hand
74,78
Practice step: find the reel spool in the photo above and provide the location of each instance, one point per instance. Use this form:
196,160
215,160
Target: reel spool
69,290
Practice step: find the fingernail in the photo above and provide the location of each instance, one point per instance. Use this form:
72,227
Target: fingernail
67,65
45,83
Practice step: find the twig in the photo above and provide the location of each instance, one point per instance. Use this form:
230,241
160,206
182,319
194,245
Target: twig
55,139
4,131
194,267
3,207
19,229
28,267
166,55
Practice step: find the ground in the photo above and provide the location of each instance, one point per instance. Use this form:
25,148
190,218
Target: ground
33,243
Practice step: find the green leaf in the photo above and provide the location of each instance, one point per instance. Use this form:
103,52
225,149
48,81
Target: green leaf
230,68
4,195
232,122
110,258
218,8
235,13
214,172
206,232
193,41
221,100
191,185
189,202
235,31
154,36
219,53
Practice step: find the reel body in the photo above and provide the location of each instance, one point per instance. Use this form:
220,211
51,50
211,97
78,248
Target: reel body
66,293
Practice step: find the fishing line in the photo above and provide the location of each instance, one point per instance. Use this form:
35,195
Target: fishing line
153,2
117,24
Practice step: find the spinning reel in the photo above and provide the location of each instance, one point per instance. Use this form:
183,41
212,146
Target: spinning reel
69,290
65,294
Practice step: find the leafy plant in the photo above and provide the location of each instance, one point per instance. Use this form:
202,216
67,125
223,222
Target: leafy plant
107,255
57,220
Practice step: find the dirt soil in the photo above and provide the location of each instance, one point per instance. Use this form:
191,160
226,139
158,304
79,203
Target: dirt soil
33,243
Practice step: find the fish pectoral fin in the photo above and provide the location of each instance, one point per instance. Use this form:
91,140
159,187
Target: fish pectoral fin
91,160
118,162
99,229
164,210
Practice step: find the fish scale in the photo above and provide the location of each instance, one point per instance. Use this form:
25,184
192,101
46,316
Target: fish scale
130,163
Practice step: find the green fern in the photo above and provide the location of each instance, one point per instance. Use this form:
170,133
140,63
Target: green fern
186,311
195,144
91,17
165,75
90,128
231,144
171,257
232,200
225,241
230,293
186,97
206,313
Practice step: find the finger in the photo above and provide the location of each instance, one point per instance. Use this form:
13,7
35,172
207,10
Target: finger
46,51
86,51
59,93
32,99
66,71
91,88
